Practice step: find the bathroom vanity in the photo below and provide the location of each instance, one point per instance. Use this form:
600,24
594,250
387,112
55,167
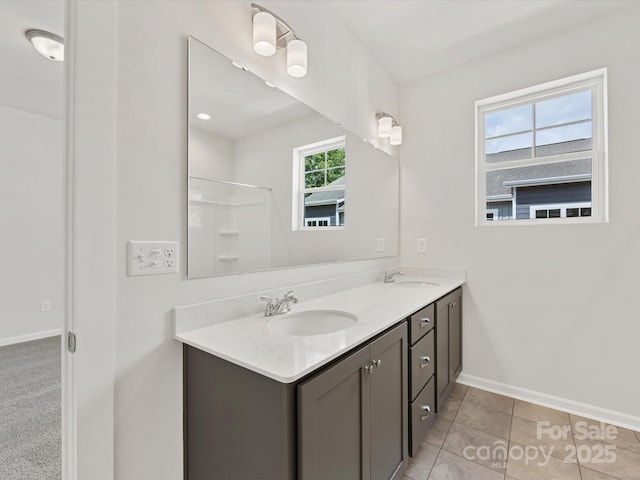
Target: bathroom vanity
349,404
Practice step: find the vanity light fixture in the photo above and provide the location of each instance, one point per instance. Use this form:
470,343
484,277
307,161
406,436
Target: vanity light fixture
270,32
47,44
389,128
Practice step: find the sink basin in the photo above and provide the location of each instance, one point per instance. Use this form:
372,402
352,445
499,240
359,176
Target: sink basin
416,284
312,322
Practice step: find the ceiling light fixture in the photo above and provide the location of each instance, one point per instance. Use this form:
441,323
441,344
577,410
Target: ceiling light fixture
270,32
47,44
389,128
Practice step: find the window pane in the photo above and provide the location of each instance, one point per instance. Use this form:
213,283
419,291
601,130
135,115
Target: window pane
541,214
314,179
324,208
565,109
554,213
573,212
585,212
511,120
513,147
334,174
335,158
314,162
570,138
557,183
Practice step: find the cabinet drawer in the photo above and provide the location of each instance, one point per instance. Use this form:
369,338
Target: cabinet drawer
420,323
422,356
423,414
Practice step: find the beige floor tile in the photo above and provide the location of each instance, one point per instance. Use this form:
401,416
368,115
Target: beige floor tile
592,475
485,419
451,408
620,437
422,462
438,431
558,441
538,413
549,468
479,447
449,466
489,400
458,391
625,465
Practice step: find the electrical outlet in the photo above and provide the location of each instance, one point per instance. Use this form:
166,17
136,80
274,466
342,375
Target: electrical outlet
421,245
380,245
45,306
152,258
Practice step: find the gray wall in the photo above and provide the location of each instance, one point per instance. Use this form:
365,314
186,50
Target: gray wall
561,193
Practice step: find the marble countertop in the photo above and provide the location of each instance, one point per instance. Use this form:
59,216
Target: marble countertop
248,341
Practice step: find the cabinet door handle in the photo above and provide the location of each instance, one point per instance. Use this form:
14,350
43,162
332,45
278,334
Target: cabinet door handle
424,322
427,409
426,360
377,363
367,368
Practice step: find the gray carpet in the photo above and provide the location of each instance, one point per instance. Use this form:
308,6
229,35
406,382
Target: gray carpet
30,411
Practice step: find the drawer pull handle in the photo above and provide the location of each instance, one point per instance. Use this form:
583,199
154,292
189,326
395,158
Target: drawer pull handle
424,322
427,409
377,363
367,368
427,361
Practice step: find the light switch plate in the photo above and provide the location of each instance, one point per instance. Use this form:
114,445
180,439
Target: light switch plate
152,258
380,245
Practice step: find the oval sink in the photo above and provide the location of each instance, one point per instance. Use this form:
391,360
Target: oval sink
312,322
416,284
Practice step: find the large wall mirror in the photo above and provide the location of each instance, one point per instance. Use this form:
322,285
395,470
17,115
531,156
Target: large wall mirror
273,183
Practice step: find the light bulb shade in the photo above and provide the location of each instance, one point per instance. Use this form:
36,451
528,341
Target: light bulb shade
396,135
47,44
264,34
384,127
297,58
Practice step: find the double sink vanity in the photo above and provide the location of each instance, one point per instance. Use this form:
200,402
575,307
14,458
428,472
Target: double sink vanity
340,379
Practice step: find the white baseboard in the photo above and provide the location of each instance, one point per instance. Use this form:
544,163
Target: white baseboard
570,406
30,337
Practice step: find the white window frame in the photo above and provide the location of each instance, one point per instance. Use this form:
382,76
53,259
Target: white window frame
596,81
298,221
562,206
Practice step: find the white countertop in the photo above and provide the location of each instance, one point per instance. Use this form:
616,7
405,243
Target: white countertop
248,342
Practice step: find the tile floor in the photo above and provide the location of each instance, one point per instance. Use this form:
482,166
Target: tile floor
484,436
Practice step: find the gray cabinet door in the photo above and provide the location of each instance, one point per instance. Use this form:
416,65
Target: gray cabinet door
388,390
455,337
333,422
442,348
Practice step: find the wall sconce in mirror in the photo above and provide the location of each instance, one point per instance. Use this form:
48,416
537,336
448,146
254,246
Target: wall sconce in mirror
389,128
270,32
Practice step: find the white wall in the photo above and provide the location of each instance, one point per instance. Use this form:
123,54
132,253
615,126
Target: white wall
549,309
150,191
31,232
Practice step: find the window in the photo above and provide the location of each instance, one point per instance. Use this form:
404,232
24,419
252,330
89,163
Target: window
541,153
319,185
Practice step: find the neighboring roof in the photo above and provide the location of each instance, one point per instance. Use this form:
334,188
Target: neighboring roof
500,182
331,196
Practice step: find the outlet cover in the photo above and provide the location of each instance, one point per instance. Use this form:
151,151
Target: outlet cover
152,258
421,245
380,245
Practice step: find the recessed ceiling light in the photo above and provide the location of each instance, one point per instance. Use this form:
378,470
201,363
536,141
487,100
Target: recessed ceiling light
204,116
47,44
241,67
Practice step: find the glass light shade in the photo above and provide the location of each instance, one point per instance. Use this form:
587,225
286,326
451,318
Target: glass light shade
297,58
264,34
396,135
47,44
384,127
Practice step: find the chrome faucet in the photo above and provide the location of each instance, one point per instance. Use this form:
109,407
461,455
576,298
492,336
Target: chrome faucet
278,306
389,276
